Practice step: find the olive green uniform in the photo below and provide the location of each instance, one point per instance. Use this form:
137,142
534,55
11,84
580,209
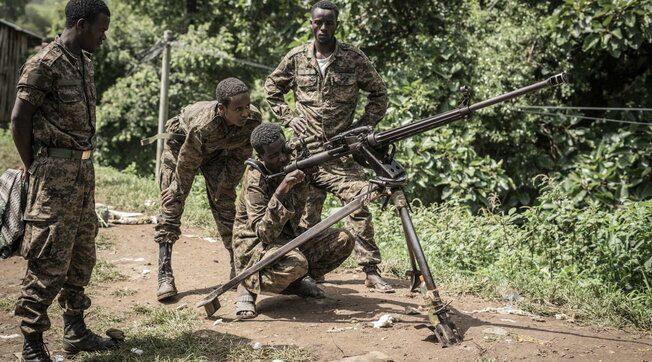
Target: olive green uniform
60,220
327,102
264,223
215,148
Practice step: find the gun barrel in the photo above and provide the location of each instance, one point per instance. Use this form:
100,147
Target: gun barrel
426,124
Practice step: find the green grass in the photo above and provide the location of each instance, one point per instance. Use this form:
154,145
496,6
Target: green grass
171,335
123,292
105,271
8,304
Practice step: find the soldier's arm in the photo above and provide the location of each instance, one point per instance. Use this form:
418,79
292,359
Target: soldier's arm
267,215
34,83
188,162
370,81
21,130
277,84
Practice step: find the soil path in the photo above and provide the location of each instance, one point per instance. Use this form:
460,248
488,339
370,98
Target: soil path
340,325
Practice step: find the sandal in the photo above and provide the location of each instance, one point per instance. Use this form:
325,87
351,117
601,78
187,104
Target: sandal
305,289
375,281
244,304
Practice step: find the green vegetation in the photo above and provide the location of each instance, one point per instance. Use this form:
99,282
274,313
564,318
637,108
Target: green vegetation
171,335
104,271
124,292
7,304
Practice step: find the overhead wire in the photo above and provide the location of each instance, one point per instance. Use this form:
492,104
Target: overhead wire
584,117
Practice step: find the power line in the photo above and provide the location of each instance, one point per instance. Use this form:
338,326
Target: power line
589,108
217,55
585,117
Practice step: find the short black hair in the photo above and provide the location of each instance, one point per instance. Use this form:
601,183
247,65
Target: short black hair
228,88
84,9
265,134
325,4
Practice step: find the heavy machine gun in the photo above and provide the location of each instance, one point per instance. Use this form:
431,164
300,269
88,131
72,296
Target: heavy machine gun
375,151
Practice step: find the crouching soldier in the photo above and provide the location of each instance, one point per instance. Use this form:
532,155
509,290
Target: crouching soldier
211,137
268,216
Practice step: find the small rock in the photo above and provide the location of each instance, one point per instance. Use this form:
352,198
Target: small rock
538,319
218,321
257,345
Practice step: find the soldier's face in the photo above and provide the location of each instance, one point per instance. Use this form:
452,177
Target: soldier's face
237,112
323,24
274,156
94,32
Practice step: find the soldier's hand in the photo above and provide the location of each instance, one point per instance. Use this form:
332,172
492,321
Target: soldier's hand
24,169
289,181
168,197
299,125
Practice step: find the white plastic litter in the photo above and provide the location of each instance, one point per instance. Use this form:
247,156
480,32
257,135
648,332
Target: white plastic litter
146,271
257,345
384,321
137,351
9,336
182,306
219,321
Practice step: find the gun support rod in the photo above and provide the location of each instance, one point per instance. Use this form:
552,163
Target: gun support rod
409,130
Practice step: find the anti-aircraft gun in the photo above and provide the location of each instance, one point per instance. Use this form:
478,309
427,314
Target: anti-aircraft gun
375,150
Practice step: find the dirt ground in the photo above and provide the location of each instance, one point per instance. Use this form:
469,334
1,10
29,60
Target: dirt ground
338,327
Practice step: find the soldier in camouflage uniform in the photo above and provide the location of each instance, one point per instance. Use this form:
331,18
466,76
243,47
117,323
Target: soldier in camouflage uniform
326,76
268,216
211,137
53,124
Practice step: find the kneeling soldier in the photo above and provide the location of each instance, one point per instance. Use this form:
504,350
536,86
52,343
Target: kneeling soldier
211,137
268,216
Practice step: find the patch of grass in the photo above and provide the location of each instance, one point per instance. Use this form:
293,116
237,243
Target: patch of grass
104,242
9,157
171,335
8,304
123,292
105,271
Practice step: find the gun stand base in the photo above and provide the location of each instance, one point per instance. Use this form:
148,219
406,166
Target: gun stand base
444,329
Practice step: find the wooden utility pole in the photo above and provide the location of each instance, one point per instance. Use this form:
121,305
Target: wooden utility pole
163,103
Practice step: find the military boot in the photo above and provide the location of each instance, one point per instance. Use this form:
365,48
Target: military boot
166,287
78,338
34,349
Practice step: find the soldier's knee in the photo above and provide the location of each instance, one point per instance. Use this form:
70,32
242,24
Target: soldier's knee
347,240
300,263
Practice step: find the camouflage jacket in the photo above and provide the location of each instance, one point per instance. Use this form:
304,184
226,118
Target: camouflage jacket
209,136
61,86
327,102
262,221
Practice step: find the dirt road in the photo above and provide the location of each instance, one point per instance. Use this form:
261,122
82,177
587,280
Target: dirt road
336,327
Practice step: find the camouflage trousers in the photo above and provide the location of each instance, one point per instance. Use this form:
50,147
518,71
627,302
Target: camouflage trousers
59,242
328,250
222,204
343,178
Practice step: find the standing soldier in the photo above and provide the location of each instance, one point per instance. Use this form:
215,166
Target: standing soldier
211,137
326,76
53,124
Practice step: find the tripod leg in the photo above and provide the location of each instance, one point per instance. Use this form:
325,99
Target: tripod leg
444,329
